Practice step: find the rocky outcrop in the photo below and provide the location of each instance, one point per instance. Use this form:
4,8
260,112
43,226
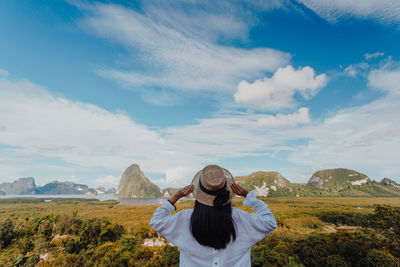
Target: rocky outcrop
168,192
316,181
62,188
263,182
100,190
20,186
112,190
134,183
337,179
91,192
389,182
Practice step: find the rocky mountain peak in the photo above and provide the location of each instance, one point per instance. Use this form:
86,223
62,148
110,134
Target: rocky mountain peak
134,168
390,182
21,186
134,183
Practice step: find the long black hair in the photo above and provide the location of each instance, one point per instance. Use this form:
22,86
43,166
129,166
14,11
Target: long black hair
212,226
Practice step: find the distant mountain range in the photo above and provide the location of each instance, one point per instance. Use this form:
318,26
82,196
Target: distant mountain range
27,186
324,183
133,183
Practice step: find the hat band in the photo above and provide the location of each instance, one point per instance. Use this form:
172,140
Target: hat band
214,193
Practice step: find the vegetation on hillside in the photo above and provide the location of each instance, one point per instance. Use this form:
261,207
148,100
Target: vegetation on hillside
324,183
260,177
337,178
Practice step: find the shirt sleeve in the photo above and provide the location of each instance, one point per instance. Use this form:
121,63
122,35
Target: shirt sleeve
169,226
257,225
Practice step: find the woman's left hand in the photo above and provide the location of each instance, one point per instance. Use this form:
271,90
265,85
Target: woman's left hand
182,192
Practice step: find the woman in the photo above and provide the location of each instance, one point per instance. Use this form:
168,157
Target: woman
214,233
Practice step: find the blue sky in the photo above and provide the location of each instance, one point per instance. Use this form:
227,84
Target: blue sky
89,87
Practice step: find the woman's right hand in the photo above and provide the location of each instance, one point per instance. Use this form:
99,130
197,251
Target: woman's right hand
238,190
182,192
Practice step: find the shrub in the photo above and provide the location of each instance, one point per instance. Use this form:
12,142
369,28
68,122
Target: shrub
170,256
340,218
382,258
7,233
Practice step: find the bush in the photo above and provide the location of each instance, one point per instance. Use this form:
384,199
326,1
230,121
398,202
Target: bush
170,256
340,218
7,233
335,261
382,258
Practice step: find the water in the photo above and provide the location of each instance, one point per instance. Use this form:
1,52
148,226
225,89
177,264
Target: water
101,197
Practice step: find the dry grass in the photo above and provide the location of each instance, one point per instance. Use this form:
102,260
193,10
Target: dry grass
297,214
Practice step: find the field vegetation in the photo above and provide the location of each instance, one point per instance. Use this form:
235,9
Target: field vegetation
311,232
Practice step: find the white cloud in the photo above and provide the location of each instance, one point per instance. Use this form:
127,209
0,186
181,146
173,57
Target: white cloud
368,56
208,21
177,56
71,178
22,155
351,70
3,72
177,176
54,147
356,69
106,181
385,79
302,116
47,126
277,92
384,11
230,135
64,138
86,139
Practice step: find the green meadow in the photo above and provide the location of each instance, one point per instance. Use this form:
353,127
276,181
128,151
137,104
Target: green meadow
311,232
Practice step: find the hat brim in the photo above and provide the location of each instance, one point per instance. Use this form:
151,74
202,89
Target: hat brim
205,198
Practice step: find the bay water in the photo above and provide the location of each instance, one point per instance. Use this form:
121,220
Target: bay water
101,197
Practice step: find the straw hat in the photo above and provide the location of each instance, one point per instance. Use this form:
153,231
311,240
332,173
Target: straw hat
212,186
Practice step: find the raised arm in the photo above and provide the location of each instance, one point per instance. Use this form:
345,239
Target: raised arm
170,226
259,224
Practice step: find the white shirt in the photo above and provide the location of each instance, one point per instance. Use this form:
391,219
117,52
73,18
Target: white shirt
250,228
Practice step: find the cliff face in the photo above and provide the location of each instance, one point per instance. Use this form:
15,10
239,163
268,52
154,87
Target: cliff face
20,186
134,183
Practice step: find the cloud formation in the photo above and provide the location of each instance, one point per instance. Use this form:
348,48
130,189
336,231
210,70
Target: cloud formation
107,181
3,72
181,54
302,116
368,56
68,138
277,92
49,127
364,138
386,80
384,11
71,138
